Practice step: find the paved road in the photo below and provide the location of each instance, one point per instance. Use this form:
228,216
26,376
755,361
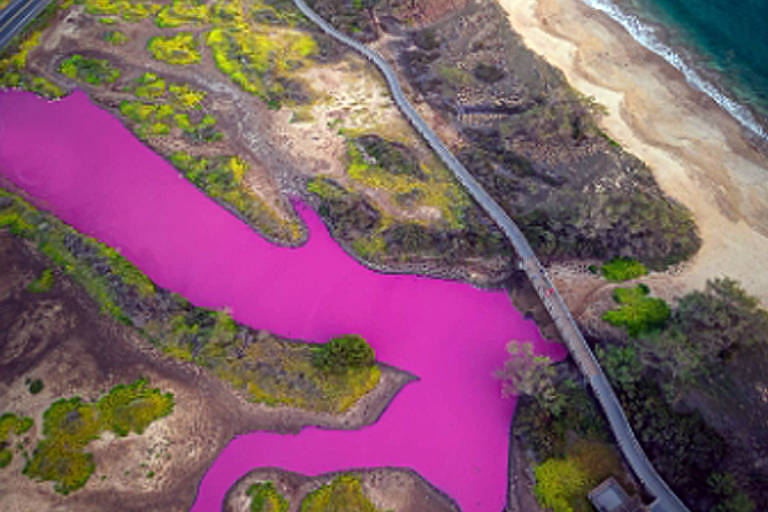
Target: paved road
666,500
16,16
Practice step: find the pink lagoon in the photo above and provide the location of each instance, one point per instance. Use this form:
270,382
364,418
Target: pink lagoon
451,425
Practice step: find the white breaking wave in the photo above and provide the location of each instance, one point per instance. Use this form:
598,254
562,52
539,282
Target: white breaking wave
646,36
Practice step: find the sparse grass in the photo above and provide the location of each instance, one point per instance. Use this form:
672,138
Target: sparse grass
265,498
115,37
44,283
70,424
442,194
344,493
623,269
255,59
222,178
183,12
638,313
92,71
180,49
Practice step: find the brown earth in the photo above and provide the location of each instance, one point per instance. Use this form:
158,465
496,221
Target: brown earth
61,337
398,489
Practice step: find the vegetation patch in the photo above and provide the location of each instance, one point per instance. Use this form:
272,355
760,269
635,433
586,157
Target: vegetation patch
183,12
34,385
259,61
343,354
44,283
222,178
179,49
265,498
115,37
13,72
345,492
638,313
623,269
70,424
128,10
11,424
92,71
562,484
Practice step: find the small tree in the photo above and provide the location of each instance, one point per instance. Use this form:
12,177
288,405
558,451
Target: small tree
526,374
343,353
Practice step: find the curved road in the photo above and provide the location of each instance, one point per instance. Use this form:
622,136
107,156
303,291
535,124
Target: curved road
16,15
666,500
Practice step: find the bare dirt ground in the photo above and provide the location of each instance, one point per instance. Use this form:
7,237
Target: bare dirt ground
61,337
397,489
698,153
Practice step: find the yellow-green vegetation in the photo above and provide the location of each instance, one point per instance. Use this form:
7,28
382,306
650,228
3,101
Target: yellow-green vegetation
343,494
70,424
222,178
11,424
623,269
269,369
638,313
4,4
562,484
255,57
52,238
115,37
179,49
92,71
149,86
13,71
128,10
382,164
294,379
44,283
265,498
185,97
183,12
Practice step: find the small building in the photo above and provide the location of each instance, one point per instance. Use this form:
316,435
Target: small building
610,496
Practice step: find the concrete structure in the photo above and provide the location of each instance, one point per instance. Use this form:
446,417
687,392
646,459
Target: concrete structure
610,496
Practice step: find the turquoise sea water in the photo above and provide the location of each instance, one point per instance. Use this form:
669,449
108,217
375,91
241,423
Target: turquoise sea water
720,45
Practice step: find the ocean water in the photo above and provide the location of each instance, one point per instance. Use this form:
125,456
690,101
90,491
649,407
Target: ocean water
721,46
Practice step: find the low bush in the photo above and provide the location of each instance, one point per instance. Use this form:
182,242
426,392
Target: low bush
344,353
179,49
92,71
265,498
638,313
623,269
344,493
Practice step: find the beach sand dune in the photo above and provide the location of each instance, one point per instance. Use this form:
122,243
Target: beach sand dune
698,153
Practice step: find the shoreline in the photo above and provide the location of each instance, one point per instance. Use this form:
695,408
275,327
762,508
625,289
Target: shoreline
697,152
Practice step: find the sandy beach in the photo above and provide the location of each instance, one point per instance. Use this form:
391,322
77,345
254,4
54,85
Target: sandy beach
697,152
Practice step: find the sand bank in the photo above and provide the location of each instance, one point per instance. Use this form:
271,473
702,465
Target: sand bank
697,152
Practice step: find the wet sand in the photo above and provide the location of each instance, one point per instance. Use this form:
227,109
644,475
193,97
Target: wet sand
698,153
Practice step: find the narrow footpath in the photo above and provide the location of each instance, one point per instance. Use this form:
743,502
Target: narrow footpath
666,500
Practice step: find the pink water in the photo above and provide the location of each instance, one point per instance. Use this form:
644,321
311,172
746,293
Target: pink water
451,426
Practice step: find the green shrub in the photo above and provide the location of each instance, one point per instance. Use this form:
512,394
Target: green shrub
115,37
44,283
35,386
344,353
70,424
623,269
92,71
343,494
180,49
638,313
265,498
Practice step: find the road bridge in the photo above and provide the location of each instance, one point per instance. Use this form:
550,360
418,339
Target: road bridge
15,17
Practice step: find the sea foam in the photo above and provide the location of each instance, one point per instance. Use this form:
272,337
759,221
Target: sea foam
646,36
